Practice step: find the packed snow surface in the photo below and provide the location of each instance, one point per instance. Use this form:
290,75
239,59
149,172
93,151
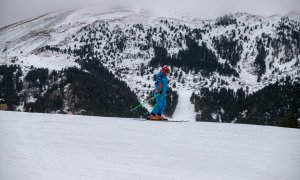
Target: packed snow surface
50,146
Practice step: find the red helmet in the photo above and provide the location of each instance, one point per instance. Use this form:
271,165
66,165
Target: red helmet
165,70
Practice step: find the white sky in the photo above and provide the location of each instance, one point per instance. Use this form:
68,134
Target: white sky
12,11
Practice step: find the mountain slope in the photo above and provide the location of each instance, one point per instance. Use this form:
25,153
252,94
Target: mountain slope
49,146
62,29
238,51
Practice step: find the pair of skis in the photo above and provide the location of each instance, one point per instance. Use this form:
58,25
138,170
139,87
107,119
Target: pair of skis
148,119
165,120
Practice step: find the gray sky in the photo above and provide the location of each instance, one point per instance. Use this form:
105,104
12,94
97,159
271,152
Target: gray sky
12,11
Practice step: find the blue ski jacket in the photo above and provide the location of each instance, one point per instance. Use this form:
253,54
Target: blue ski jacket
161,84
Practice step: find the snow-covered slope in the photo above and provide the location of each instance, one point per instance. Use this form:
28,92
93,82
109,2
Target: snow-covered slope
50,146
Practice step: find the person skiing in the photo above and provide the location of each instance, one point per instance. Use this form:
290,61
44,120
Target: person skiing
69,112
160,91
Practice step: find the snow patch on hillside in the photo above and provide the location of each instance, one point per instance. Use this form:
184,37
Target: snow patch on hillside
185,110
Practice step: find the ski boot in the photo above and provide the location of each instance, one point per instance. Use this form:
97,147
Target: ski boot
154,117
162,118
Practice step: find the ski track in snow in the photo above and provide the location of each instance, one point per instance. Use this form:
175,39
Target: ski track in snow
185,109
52,146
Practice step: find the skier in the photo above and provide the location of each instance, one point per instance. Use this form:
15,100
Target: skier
69,112
160,91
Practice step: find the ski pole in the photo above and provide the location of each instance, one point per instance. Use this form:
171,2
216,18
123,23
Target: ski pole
144,102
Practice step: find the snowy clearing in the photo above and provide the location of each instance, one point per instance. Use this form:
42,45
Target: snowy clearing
52,146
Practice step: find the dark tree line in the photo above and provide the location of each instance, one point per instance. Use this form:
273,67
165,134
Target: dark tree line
92,90
91,93
10,85
268,106
223,102
271,104
99,93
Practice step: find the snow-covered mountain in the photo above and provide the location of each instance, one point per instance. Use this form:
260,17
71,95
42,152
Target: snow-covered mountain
52,146
250,52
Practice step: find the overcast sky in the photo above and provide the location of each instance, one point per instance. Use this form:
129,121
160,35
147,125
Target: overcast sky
12,11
